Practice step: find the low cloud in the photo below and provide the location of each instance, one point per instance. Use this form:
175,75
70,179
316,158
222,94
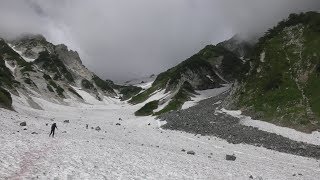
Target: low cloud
124,39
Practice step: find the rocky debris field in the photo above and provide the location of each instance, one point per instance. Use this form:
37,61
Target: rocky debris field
205,118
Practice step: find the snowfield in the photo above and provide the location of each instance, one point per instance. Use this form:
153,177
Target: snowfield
127,148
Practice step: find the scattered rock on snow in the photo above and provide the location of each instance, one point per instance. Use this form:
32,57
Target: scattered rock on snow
34,133
118,124
191,152
230,157
183,150
98,128
23,123
250,177
66,121
25,129
64,132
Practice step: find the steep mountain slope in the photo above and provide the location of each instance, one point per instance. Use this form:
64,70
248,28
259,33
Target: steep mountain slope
33,67
212,67
239,46
7,68
6,80
283,84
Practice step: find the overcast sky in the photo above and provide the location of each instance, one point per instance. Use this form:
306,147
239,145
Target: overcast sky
123,39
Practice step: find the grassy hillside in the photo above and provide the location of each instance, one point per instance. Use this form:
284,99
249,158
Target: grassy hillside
283,85
147,109
184,94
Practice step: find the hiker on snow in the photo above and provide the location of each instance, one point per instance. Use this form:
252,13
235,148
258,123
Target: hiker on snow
53,127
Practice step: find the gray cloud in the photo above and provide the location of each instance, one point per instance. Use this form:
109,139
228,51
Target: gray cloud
122,39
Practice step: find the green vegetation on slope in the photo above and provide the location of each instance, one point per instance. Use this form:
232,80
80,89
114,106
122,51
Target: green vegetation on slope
129,91
283,83
184,94
103,85
126,91
147,109
5,99
141,97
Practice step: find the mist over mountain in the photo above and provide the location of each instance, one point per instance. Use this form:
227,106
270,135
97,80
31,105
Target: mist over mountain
116,37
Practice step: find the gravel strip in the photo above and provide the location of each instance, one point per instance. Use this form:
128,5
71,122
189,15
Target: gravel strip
203,119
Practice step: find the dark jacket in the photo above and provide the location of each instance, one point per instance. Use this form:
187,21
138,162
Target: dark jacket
54,126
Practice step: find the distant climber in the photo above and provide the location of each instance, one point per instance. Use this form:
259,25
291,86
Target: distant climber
53,127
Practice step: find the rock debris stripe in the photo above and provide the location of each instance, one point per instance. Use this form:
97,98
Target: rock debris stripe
202,119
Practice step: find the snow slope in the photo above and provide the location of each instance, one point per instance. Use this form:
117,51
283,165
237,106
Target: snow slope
204,95
12,69
132,150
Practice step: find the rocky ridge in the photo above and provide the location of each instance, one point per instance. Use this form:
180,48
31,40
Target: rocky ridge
34,67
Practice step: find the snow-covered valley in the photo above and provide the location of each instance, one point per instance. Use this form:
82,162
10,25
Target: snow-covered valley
126,147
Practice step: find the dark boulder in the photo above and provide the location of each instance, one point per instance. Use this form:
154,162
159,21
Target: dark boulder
191,152
23,124
66,121
230,157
